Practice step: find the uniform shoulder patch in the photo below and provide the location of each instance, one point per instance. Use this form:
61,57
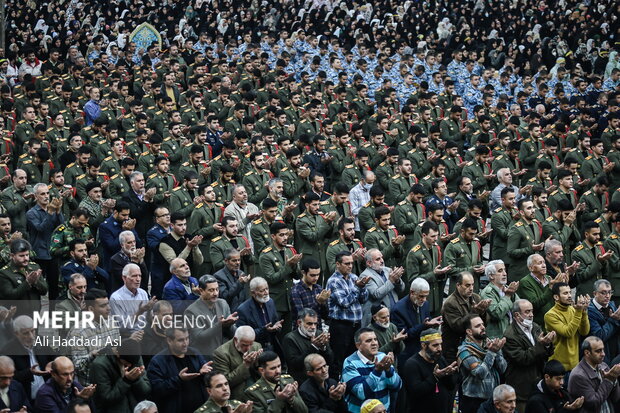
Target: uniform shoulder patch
81,176
519,224
400,203
324,202
554,192
416,248
498,209
396,176
348,166
613,236
470,163
587,192
550,219
151,176
598,220
216,239
588,158
455,241
579,247
335,242
266,250
178,188
373,229
257,221
303,214
109,158
199,205
61,228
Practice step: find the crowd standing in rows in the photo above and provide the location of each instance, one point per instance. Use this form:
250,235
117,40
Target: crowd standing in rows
376,207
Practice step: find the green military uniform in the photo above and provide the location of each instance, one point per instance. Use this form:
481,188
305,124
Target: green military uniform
604,225
330,206
339,245
384,172
553,161
501,221
407,216
443,231
72,171
351,176
233,125
530,149
279,275
612,243
463,257
37,173
521,237
558,194
16,206
135,149
118,186
590,268
474,171
382,240
614,175
294,185
62,237
102,149
265,401
13,286
309,128
223,192
311,236
451,131
595,205
111,165
191,116
160,122
453,171
399,187
163,184
261,234
255,184
84,179
211,407
220,244
146,162
421,263
419,162
592,168
23,132
181,201
201,222
339,162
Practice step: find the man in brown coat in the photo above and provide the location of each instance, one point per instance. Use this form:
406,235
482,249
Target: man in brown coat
455,311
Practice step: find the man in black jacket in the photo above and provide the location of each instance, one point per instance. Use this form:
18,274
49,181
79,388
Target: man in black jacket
319,392
141,203
550,394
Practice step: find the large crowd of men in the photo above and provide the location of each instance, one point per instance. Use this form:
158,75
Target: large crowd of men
371,208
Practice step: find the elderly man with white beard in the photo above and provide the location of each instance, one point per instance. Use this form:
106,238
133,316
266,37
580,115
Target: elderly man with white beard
385,283
305,340
502,296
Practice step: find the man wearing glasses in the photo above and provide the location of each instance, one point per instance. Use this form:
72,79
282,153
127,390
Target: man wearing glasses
605,318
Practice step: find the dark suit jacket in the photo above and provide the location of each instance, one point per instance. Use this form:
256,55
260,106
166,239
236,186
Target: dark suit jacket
175,293
117,263
249,316
404,317
525,360
17,398
296,347
584,381
165,382
142,211
108,233
50,399
605,329
20,357
317,398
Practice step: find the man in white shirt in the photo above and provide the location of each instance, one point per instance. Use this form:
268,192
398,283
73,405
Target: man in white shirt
130,302
245,212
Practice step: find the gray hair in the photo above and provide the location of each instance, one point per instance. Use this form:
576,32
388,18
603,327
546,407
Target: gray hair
206,279
134,175
257,282
38,186
530,259
22,322
160,305
552,243
129,267
306,312
309,359
230,252
123,235
516,306
272,182
368,174
236,187
75,278
501,172
246,332
419,284
370,253
491,268
7,362
144,405
501,391
600,282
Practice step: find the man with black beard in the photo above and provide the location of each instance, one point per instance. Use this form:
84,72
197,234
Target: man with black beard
429,380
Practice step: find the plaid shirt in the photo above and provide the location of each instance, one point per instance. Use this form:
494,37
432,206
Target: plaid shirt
95,339
304,297
481,370
345,302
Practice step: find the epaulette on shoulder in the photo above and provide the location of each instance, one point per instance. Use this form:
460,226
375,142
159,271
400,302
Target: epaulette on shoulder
303,214
216,239
114,176
23,155
404,202
187,110
498,209
349,166
81,176
27,162
598,220
455,241
499,157
554,192
613,236
145,153
470,163
373,229
528,140
335,242
539,156
266,249
588,158
151,176
396,176
178,188
587,192
382,163
550,219
370,203
519,224
416,248
324,202
61,228
109,158
462,220
579,247
257,221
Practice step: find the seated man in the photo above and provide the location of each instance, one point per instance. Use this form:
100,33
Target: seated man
369,373
320,392
62,388
13,398
220,399
178,360
217,321
236,359
180,290
259,312
304,340
274,391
